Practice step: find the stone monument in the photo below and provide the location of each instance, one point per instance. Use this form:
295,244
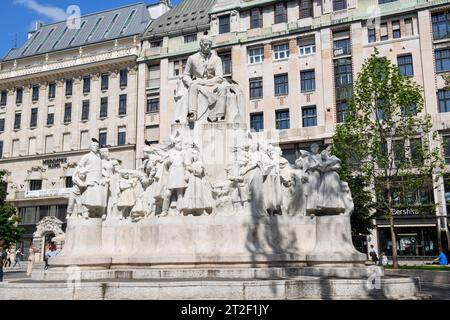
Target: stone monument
214,202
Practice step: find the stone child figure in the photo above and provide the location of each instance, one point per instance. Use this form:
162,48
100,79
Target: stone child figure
127,198
203,76
75,207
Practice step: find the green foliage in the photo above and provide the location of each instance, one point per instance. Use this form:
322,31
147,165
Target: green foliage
10,233
386,137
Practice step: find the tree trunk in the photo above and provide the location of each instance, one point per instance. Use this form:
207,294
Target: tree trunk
394,243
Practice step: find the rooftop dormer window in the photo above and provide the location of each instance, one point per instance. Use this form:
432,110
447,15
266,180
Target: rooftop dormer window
127,23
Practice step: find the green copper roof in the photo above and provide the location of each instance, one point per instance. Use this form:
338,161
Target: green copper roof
187,17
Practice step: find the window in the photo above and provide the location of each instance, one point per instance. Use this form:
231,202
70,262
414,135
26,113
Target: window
409,110
123,78
339,5
256,18
409,30
415,148
306,9
255,55
108,30
85,110
32,146
52,90
385,1
281,85
66,141
152,104
309,116
60,37
257,121
15,148
77,33
17,120
442,58
1,149
226,63
341,111
343,79
405,65
48,144
190,38
68,182
444,100
35,185
396,33
398,150
441,25
3,98
86,84
33,118
69,87
35,94
306,47
282,120
102,137
256,88
280,12
67,112
156,44
127,23
45,40
121,136
224,24
19,95
84,139
104,107
342,44
152,134
2,124
308,80
105,81
384,32
372,34
91,34
50,115
122,104
281,51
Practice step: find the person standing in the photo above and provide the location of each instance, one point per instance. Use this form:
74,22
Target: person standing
373,254
2,261
7,262
33,251
19,255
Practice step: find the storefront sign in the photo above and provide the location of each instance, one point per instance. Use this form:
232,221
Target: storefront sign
405,212
64,192
54,163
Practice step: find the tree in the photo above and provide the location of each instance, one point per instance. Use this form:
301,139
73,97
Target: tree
10,233
387,142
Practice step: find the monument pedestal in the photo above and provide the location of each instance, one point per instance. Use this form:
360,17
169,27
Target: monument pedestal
334,246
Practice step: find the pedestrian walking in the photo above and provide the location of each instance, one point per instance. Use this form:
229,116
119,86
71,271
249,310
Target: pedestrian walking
2,261
33,251
373,254
19,255
7,263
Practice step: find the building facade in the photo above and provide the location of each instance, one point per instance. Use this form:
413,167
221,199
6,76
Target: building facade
296,60
62,88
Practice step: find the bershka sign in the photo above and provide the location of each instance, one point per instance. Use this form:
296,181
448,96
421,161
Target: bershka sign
54,163
404,212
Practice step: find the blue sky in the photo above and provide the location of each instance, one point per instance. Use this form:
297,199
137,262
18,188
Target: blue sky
17,17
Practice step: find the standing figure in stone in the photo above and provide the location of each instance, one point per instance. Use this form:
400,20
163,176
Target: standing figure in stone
75,207
297,204
347,199
253,175
107,172
114,180
286,179
272,182
198,195
203,76
160,176
93,198
127,198
312,168
330,187
177,178
238,188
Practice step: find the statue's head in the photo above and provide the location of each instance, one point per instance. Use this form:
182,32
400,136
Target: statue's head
94,147
104,153
206,45
315,148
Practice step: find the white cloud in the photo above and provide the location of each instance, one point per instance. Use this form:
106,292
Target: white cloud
54,13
